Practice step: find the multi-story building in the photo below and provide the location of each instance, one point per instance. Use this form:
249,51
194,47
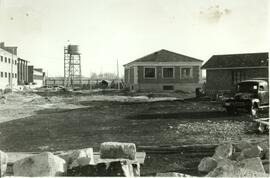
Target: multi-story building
8,66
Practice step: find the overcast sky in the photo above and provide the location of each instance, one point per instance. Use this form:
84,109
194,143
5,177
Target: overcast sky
107,30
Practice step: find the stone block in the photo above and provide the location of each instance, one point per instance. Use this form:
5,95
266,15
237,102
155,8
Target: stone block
43,164
3,163
252,152
241,146
117,150
223,151
80,157
254,164
207,164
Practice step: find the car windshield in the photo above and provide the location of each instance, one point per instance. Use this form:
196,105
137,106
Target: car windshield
247,87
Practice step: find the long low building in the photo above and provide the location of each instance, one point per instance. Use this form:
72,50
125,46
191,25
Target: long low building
8,67
223,72
163,71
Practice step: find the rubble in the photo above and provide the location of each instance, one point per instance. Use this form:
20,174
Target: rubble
252,152
172,174
80,157
112,150
43,164
242,145
3,163
237,160
123,168
254,164
207,164
223,151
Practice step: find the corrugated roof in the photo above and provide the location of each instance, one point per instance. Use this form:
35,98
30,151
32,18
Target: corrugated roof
165,56
237,60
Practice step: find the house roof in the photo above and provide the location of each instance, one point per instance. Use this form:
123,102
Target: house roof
165,56
237,60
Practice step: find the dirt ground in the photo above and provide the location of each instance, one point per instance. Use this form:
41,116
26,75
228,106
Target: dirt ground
31,122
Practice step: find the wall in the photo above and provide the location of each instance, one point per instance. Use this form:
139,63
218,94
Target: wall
156,84
221,80
8,68
36,77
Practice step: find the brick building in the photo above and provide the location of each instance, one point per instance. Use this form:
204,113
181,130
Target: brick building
224,71
163,71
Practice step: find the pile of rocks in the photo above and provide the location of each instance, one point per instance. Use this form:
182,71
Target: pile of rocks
117,159
238,160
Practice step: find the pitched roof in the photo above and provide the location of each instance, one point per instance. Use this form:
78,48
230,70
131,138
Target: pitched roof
165,56
237,60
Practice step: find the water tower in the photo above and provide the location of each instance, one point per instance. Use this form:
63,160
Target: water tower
72,66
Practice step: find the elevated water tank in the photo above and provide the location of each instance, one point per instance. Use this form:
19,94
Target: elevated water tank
73,49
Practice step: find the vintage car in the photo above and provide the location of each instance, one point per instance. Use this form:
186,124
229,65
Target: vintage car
251,95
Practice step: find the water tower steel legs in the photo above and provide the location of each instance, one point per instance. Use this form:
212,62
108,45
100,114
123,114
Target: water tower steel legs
72,69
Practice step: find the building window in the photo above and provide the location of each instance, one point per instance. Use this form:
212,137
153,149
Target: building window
1,58
15,62
149,72
2,75
5,74
186,72
168,72
5,59
15,75
8,60
168,87
238,76
12,75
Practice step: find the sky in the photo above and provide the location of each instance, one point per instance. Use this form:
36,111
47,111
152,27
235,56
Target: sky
124,30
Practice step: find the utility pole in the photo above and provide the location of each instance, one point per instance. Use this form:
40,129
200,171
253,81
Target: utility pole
118,86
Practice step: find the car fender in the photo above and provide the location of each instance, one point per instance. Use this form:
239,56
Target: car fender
255,100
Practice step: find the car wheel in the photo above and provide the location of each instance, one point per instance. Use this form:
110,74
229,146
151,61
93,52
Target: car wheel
254,110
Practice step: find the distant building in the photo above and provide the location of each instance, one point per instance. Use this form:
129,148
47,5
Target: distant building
36,76
8,66
224,71
22,67
163,71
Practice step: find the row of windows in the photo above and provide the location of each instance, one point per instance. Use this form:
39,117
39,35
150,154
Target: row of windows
167,72
7,60
7,75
